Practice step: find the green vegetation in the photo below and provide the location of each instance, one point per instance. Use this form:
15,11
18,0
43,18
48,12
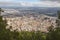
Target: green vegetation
6,34
54,34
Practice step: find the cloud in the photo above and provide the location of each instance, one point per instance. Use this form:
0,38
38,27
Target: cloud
9,4
47,4
51,0
41,4
5,0
32,4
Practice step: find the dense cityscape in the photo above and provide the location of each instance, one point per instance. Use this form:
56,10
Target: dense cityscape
28,22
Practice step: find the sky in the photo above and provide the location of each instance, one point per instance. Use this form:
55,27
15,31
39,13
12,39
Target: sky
31,3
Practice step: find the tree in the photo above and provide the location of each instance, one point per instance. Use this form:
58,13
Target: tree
1,11
55,33
58,14
5,34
